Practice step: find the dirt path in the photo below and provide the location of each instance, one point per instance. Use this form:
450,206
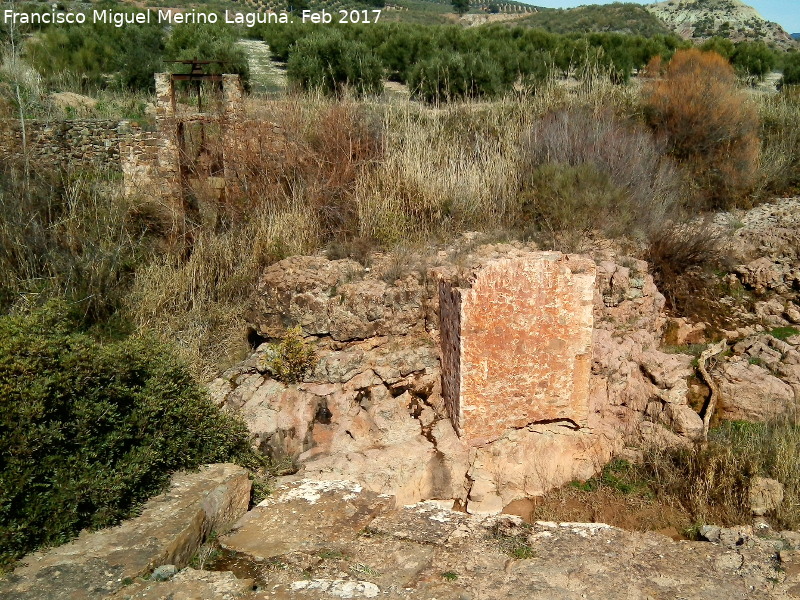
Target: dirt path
265,75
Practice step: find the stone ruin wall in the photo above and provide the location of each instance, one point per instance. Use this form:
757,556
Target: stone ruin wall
147,154
82,143
517,345
107,144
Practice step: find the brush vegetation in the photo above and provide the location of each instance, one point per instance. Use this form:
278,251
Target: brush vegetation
90,428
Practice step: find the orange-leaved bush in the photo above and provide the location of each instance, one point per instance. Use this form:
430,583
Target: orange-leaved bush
708,122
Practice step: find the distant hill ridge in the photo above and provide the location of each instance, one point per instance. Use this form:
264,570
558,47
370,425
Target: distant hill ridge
702,19
619,17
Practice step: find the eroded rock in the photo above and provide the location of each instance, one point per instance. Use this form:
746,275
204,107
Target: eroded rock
372,410
428,552
750,392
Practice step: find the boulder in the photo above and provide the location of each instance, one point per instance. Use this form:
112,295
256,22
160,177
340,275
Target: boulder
749,392
760,274
305,515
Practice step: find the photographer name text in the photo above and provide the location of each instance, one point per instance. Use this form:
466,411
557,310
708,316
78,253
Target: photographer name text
171,17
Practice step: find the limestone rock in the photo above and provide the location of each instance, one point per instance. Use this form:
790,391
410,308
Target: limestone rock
793,313
372,410
749,392
189,584
305,515
529,462
425,551
681,332
333,298
759,274
765,495
169,531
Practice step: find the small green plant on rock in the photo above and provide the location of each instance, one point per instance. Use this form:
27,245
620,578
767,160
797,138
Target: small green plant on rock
515,545
783,333
449,576
364,570
291,358
206,553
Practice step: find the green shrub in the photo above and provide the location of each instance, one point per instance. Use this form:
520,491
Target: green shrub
98,54
89,430
754,59
582,170
331,64
452,76
291,358
791,70
216,41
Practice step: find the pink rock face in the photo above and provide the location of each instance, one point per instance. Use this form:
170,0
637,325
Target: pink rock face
516,344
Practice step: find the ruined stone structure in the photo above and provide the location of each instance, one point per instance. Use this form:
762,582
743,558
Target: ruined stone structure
157,159
516,344
186,155
76,143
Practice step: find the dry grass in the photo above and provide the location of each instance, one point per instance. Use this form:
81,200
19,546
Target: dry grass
675,491
711,483
199,302
779,170
72,235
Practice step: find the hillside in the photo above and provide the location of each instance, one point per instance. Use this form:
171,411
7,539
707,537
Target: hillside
702,19
618,17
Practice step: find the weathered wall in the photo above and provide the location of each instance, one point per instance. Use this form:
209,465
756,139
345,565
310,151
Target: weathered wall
137,158
78,143
525,328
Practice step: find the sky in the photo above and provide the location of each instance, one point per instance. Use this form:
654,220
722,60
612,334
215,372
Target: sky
784,12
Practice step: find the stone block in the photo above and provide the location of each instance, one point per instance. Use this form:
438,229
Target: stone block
517,344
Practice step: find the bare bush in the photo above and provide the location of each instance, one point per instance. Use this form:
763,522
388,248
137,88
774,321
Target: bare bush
586,170
317,158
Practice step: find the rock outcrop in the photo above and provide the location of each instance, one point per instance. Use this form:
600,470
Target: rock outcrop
702,19
372,409
320,540
366,548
